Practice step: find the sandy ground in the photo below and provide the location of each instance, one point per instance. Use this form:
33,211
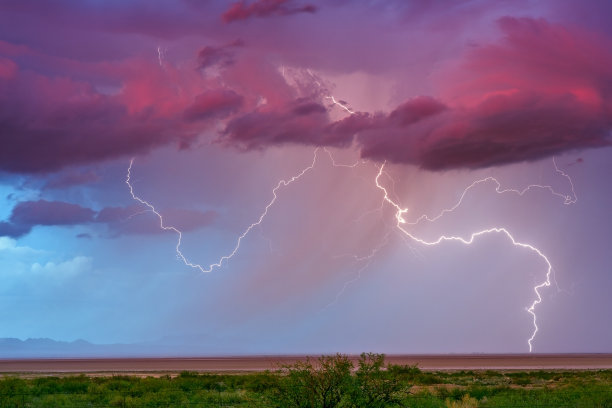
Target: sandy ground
135,366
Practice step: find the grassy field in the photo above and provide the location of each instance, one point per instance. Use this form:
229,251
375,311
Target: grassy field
326,382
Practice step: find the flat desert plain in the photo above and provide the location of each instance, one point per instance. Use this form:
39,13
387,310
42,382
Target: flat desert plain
260,363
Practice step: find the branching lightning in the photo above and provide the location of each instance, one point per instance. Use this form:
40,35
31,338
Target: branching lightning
341,105
368,260
401,221
333,161
209,268
567,199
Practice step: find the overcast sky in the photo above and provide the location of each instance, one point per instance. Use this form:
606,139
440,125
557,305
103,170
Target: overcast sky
340,154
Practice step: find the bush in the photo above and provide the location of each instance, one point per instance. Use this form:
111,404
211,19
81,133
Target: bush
373,387
320,385
329,383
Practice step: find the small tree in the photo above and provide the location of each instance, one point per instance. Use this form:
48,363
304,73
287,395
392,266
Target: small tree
373,386
320,385
329,383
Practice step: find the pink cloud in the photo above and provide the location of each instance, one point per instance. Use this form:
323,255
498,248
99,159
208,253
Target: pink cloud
299,122
49,122
542,90
217,103
502,129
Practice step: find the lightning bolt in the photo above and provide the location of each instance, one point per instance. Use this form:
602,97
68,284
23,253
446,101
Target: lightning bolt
341,105
161,53
567,199
400,224
401,221
209,268
368,258
331,97
333,161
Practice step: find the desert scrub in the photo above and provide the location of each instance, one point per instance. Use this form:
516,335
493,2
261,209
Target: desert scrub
326,382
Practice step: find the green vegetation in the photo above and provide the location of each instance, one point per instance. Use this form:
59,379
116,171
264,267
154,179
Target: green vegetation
327,382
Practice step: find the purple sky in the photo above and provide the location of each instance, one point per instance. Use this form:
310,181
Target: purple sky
388,111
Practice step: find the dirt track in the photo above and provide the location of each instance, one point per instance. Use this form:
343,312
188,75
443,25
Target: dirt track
259,363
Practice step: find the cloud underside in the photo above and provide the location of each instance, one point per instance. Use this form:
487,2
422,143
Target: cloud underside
538,93
541,90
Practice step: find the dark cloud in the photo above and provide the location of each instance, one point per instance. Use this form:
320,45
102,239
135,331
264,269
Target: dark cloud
8,229
415,110
298,122
502,129
214,104
264,8
133,219
49,123
28,214
44,212
543,90
220,56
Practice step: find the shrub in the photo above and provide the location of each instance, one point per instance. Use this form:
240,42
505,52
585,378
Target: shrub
320,385
373,387
329,383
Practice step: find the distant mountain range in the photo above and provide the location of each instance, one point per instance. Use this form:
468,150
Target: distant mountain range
168,347
48,348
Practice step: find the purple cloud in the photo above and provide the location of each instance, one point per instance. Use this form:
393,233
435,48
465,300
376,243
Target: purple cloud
48,123
222,56
264,8
44,212
28,214
544,89
217,103
502,129
132,219
298,122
